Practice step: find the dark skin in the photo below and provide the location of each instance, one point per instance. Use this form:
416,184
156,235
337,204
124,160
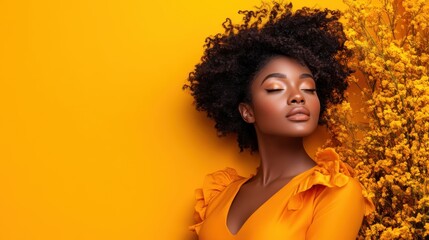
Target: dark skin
284,109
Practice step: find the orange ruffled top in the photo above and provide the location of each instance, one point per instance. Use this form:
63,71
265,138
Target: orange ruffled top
323,203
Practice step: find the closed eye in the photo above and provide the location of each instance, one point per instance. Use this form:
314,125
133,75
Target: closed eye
274,90
310,90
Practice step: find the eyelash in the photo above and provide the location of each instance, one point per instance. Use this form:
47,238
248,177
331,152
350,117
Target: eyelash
312,90
273,90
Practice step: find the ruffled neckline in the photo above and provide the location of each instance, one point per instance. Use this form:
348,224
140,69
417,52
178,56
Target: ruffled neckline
330,171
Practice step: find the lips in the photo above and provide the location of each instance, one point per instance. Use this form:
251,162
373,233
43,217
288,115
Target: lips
298,114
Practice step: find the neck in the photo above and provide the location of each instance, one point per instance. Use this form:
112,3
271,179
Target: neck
281,158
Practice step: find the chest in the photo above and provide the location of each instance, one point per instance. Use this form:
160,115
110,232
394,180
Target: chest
248,200
271,220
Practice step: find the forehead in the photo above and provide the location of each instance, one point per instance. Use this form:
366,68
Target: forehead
282,64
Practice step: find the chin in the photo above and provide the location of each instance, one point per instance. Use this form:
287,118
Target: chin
299,134
302,131
292,134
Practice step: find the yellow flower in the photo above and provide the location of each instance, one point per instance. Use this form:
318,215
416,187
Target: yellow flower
390,148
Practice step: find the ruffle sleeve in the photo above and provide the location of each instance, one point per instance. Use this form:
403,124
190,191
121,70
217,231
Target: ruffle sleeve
213,184
330,172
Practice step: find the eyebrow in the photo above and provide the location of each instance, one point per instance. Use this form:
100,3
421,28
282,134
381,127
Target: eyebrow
281,75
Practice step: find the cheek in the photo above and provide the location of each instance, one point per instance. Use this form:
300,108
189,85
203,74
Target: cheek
313,105
317,109
268,106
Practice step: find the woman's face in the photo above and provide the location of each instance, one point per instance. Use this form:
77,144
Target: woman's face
284,99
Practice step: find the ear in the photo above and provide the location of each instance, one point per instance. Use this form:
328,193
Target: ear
246,112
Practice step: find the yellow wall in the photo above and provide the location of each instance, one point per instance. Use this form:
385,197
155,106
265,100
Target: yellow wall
97,139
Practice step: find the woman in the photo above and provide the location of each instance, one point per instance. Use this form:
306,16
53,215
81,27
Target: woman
269,80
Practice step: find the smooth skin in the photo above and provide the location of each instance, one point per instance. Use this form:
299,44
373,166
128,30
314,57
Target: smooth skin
284,109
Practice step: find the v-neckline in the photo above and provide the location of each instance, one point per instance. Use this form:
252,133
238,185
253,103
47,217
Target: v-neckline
228,207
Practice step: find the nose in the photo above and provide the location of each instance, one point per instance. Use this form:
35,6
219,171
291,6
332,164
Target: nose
296,97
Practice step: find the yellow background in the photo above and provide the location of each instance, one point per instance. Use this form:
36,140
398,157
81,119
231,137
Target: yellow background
98,141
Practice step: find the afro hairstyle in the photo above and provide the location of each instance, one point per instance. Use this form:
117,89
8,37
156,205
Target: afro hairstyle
221,81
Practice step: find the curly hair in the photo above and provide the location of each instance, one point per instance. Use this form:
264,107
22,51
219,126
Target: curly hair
221,81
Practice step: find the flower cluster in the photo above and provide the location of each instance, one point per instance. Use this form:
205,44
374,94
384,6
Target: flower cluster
387,139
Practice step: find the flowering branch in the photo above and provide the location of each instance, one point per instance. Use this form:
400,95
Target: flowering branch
387,140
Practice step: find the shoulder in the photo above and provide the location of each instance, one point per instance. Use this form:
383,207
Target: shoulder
338,184
351,192
214,183
331,182
337,200
221,178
